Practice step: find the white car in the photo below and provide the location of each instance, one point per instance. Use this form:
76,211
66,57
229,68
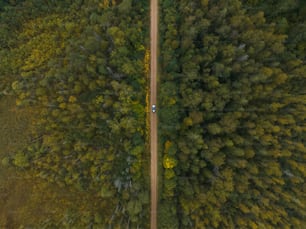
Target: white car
153,108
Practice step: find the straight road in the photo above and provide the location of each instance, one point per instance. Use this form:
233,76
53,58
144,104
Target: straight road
153,116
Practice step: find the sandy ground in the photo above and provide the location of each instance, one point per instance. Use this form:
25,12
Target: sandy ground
153,117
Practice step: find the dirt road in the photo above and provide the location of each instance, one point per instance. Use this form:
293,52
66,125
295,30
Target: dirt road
153,116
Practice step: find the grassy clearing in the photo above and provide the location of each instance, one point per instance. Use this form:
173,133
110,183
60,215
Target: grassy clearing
15,124
25,201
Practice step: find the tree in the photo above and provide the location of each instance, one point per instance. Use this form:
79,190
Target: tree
21,160
238,104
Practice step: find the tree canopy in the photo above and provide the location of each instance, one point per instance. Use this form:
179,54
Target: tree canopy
233,109
81,64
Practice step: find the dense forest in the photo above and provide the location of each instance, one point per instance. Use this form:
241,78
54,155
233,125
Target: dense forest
74,114
232,114
80,67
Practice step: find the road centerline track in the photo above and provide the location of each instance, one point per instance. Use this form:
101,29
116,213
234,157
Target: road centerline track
153,116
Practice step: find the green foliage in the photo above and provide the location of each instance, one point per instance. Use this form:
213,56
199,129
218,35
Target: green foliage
5,161
79,63
232,101
232,113
289,17
21,159
167,216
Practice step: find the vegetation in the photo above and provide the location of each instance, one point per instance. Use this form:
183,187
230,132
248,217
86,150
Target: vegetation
80,64
233,114
74,103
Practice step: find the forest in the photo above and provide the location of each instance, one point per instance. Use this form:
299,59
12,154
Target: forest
232,114
76,70
74,114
